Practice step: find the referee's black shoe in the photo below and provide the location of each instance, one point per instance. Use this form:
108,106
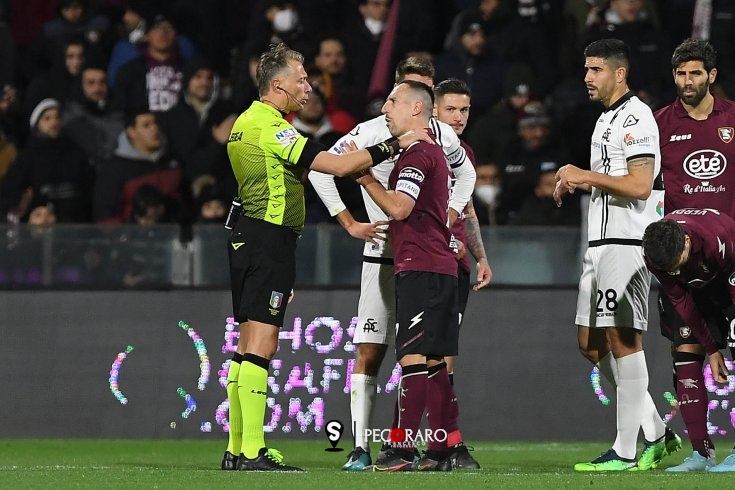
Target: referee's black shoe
267,460
229,461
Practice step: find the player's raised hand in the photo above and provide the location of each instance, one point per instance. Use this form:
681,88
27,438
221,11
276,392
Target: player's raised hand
719,369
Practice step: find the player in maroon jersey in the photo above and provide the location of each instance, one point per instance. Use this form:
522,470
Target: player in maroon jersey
698,162
426,277
692,254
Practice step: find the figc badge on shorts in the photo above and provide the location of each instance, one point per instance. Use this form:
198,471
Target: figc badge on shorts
276,299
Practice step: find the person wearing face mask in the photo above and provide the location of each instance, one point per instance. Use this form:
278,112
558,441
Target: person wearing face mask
487,192
362,36
280,21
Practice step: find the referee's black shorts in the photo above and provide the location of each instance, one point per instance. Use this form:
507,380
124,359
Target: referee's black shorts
262,270
710,302
427,314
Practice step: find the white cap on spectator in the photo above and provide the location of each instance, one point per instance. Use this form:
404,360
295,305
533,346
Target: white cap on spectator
42,107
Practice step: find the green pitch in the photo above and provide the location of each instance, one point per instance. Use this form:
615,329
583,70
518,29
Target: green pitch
133,464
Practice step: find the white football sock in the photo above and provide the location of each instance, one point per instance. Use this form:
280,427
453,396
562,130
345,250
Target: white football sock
651,422
363,391
632,390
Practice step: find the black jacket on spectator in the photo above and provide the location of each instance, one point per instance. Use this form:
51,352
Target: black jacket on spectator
93,128
56,171
128,169
191,141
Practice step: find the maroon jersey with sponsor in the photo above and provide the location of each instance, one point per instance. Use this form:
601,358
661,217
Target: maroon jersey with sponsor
698,157
421,241
458,228
711,261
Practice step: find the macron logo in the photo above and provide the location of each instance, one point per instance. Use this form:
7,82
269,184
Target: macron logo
416,320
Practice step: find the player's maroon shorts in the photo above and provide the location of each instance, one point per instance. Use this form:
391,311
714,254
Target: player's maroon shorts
426,311
711,303
262,270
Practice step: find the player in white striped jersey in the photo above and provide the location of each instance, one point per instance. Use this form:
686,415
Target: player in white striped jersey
376,309
612,306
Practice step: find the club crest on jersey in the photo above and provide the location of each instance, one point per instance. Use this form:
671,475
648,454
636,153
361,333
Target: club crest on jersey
726,134
685,332
287,136
731,280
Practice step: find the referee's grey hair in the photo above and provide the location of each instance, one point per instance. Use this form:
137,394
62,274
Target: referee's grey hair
272,63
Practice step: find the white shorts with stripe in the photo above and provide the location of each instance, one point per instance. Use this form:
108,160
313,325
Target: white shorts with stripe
614,287
376,311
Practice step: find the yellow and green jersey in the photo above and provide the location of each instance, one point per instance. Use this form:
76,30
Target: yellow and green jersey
264,150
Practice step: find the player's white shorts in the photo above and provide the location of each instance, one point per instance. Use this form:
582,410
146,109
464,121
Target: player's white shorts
376,311
613,289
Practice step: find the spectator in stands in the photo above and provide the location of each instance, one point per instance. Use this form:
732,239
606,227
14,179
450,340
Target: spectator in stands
198,127
57,82
510,39
154,78
533,145
314,123
134,26
50,167
42,215
74,20
141,158
142,265
276,21
362,34
539,208
211,204
89,118
650,69
341,120
493,132
149,206
487,193
337,84
469,60
244,84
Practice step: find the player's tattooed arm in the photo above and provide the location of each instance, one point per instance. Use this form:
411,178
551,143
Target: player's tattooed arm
477,248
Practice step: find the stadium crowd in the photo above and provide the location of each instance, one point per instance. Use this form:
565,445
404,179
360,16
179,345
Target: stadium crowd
118,111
